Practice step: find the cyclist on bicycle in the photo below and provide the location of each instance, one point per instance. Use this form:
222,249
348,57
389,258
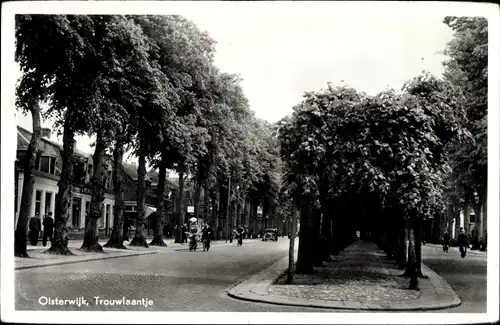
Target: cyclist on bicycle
206,233
239,235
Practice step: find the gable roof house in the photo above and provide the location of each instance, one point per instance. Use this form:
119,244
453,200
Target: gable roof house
47,173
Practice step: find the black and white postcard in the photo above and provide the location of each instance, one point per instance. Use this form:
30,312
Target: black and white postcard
250,162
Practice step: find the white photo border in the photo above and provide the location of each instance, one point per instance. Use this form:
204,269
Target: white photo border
356,9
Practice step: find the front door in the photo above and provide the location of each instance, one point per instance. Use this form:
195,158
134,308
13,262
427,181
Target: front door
75,212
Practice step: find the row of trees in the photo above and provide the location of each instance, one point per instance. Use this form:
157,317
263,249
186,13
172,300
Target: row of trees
467,71
383,164
145,84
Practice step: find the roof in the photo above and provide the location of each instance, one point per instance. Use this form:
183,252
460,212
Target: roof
24,137
131,171
154,177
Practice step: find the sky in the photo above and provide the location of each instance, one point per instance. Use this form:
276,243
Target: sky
279,56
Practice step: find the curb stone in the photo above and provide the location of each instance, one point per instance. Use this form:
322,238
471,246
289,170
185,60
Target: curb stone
97,258
435,294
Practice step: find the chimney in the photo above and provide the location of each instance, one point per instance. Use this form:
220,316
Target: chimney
46,133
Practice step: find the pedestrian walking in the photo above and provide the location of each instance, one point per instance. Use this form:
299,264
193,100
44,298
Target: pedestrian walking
462,243
48,228
126,229
184,235
35,225
446,241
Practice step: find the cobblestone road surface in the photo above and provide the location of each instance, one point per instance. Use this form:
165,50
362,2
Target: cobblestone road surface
175,280
179,280
360,273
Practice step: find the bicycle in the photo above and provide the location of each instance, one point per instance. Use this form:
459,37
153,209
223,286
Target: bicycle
206,245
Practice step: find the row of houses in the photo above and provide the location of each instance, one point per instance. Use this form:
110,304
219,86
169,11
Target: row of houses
47,172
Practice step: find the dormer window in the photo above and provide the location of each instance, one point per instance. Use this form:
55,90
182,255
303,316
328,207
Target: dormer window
48,165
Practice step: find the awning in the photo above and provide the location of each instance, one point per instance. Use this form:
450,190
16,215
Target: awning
149,211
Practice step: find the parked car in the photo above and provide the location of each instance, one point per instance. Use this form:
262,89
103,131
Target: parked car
270,234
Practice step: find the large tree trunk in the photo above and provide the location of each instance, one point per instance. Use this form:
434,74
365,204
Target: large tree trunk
450,213
456,216
246,213
418,247
160,205
291,249
221,220
411,269
91,240
478,210
116,238
140,237
206,203
20,239
250,217
197,200
318,243
326,231
254,217
222,213
228,210
305,259
238,213
466,217
392,247
64,194
335,236
403,249
180,206
215,212
484,222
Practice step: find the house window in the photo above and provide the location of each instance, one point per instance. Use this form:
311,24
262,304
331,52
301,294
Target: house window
57,167
48,165
75,212
45,164
38,201
130,208
52,168
48,202
79,172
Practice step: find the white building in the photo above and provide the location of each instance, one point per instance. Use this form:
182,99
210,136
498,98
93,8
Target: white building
47,172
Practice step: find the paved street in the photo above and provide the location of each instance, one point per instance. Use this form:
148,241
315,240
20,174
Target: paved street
179,280
174,280
467,276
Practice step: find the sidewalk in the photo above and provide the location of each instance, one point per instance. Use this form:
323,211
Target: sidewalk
455,249
38,259
360,278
